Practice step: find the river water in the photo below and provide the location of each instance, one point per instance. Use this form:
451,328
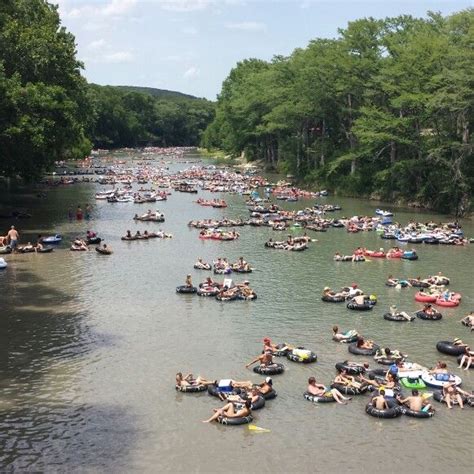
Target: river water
89,346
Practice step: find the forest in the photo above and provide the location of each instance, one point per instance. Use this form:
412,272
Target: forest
384,110
49,112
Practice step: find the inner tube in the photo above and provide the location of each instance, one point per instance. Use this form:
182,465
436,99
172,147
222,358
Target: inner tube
429,317
410,256
439,397
387,360
424,298
186,289
459,361
412,383
417,414
447,304
418,283
103,251
350,369
191,388
447,347
94,240
359,307
375,373
5,250
273,369
219,297
260,403
296,358
212,291
347,340
203,266
280,352
333,299
241,270
326,398
270,395
45,250
393,412
396,317
440,380
353,349
349,390
223,420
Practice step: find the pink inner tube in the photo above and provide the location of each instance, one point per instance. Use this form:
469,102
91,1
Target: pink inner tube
423,298
395,255
370,253
447,304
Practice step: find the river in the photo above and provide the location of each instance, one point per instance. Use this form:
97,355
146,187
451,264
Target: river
89,346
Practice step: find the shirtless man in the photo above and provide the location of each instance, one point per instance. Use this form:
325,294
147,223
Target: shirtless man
13,237
264,359
415,402
379,401
189,380
319,390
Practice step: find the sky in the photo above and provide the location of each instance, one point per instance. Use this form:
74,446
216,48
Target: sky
191,45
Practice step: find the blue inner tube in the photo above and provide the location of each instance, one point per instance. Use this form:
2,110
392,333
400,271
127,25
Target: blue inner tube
273,369
186,289
326,398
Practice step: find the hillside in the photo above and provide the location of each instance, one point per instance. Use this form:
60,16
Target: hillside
160,93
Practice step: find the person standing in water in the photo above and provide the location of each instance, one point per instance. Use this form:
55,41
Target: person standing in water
88,211
79,213
13,237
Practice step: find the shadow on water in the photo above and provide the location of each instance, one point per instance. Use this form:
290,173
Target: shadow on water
46,348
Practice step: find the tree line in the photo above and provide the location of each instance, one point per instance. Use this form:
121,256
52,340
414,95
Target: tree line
49,112
383,110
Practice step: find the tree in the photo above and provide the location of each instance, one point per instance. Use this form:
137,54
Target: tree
44,102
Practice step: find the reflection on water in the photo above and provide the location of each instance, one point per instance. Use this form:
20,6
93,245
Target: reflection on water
89,346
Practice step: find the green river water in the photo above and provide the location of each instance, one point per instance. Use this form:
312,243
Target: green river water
89,346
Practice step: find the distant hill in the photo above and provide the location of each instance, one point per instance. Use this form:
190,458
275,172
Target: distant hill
162,93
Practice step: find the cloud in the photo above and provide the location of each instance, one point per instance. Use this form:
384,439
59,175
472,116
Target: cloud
118,57
191,73
97,44
112,8
247,26
194,5
185,5
190,30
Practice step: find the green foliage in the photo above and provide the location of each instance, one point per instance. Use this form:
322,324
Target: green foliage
44,111
126,118
386,108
